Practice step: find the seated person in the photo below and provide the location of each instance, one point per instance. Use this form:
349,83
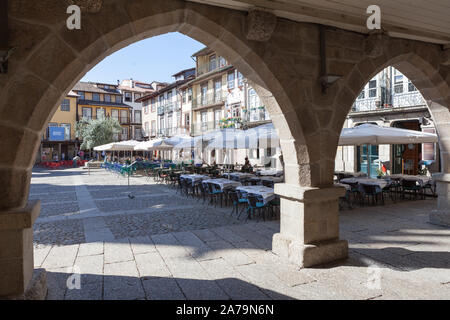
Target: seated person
247,167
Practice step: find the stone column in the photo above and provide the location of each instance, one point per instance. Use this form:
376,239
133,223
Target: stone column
18,279
441,216
309,225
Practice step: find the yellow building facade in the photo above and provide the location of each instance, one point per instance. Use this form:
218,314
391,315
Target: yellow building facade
98,100
59,140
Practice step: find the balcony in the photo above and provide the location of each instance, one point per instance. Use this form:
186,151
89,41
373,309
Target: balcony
256,114
209,100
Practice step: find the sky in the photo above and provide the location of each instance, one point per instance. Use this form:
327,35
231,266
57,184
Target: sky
152,59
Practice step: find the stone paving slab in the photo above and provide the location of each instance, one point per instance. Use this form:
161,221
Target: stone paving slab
90,249
163,289
118,251
61,257
229,253
168,246
151,264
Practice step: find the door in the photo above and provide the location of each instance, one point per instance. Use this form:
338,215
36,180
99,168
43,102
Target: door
368,160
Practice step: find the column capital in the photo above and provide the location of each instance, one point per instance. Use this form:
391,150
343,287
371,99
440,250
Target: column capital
22,218
308,194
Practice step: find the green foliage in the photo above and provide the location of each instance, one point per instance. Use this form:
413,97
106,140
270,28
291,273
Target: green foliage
97,132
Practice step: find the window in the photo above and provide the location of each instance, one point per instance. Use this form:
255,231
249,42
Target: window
96,97
124,133
240,79
230,80
153,128
183,95
124,116
398,84
65,105
86,113
189,94
128,97
66,127
398,79
372,88
137,116
252,99
115,114
118,99
217,117
101,113
411,87
137,96
204,91
107,98
222,62
212,62
362,95
235,111
153,105
186,120
147,133
204,118
81,94
217,90
398,88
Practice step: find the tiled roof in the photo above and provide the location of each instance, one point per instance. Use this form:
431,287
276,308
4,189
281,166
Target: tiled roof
91,87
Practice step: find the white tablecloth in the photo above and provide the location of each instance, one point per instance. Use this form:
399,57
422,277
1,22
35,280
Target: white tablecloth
273,179
380,183
423,180
270,172
265,192
194,178
223,183
239,175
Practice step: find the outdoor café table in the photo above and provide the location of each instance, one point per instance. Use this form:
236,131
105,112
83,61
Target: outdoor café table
223,183
273,179
194,178
380,183
269,172
265,192
423,180
239,175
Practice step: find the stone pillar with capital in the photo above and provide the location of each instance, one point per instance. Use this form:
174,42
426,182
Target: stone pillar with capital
309,225
18,278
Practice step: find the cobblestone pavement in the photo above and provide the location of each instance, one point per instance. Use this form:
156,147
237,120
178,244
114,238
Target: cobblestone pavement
161,245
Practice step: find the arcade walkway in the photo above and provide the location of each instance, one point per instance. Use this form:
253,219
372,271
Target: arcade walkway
161,245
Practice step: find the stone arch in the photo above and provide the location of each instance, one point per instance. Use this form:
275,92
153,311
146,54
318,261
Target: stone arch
423,64
419,62
54,58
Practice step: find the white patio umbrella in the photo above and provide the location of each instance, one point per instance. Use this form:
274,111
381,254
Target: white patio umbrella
118,146
148,145
374,135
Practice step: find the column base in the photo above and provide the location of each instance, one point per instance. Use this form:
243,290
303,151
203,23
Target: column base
440,218
36,290
308,255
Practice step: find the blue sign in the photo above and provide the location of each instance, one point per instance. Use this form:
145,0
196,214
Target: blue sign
56,133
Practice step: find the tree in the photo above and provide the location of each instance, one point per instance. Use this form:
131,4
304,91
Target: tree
97,132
